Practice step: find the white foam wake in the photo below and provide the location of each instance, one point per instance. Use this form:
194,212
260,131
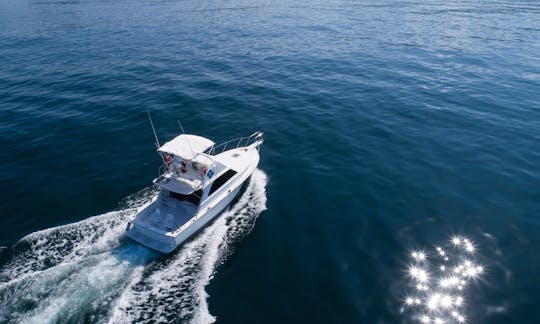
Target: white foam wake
90,272
175,290
60,272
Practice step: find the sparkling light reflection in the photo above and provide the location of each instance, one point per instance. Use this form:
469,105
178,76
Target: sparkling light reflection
438,281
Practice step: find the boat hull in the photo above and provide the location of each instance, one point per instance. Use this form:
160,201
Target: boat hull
152,233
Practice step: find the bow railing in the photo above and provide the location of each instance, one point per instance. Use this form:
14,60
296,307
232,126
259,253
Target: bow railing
236,143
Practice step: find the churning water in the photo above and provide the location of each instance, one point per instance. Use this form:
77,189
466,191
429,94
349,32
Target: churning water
90,272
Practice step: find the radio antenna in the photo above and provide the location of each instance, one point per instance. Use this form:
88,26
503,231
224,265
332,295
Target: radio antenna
183,132
153,129
182,128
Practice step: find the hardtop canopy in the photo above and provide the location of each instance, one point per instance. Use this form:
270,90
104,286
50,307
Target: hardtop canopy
186,146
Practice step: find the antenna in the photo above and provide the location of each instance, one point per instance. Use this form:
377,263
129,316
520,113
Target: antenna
182,128
183,132
153,129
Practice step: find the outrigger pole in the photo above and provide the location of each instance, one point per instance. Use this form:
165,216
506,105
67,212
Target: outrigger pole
155,136
153,129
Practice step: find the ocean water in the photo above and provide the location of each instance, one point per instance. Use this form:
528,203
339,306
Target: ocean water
390,127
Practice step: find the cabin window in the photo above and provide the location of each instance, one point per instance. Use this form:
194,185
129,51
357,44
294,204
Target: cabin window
194,198
221,180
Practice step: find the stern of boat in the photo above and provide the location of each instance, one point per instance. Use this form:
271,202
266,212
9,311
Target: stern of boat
155,241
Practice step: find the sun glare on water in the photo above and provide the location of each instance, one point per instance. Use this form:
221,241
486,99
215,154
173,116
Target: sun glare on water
438,280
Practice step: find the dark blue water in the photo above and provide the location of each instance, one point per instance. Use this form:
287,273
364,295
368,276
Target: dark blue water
390,126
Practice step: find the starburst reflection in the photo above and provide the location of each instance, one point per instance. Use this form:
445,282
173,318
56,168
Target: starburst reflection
438,280
418,255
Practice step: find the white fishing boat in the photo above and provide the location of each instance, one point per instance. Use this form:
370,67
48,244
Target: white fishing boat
197,182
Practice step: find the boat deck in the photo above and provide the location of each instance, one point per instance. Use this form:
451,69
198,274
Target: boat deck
237,159
169,214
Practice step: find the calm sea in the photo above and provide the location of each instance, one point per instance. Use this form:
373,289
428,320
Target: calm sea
390,126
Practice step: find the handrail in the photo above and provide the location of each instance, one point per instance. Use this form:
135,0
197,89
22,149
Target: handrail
246,141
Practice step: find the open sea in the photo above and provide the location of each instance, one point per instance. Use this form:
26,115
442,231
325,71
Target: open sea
391,127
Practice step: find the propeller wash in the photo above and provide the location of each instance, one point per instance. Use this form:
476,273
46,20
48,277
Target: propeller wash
90,272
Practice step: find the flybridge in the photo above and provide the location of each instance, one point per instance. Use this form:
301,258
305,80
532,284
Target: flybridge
191,160
186,164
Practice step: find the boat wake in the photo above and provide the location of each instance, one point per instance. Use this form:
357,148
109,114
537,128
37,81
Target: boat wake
90,272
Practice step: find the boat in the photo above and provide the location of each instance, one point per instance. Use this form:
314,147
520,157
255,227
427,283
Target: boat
197,182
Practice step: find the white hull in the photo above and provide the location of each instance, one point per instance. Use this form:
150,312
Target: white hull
167,243
148,226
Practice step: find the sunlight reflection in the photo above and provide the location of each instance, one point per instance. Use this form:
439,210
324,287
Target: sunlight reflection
438,280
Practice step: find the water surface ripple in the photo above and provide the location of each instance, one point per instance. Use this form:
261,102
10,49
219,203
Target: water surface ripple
390,125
